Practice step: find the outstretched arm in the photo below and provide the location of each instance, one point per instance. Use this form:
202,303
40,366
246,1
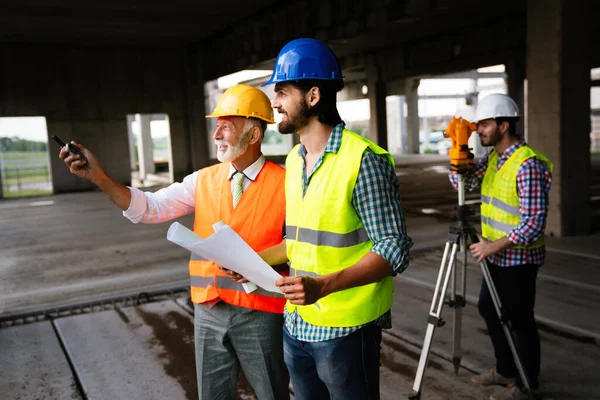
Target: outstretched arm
166,204
86,166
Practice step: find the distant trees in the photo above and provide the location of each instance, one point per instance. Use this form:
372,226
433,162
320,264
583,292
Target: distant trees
17,144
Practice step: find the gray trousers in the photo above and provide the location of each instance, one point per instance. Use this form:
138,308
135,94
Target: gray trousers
229,337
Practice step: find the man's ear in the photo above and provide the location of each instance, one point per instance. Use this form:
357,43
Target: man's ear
254,135
504,126
313,95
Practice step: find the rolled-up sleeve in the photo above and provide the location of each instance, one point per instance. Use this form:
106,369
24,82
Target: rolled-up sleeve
166,204
376,199
533,185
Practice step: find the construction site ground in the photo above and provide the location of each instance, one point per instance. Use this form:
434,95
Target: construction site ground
94,307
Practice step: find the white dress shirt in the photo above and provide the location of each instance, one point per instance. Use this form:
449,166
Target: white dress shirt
177,199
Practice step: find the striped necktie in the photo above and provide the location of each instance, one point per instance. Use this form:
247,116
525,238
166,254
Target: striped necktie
236,189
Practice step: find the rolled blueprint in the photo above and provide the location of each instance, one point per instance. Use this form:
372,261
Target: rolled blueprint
226,248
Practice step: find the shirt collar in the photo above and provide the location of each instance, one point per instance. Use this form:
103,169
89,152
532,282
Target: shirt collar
511,150
334,142
252,171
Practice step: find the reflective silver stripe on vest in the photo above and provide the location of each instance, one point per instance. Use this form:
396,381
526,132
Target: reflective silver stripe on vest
324,238
201,281
295,272
196,257
501,226
501,205
226,283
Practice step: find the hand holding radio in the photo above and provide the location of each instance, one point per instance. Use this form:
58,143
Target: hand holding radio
79,160
71,147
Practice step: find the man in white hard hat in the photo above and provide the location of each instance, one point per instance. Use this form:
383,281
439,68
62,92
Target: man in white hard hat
515,181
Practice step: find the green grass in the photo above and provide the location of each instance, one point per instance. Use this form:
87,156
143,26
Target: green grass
22,168
26,193
11,172
21,159
13,177
11,155
27,179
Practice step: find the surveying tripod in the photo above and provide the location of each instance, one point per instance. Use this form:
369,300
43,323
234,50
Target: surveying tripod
458,237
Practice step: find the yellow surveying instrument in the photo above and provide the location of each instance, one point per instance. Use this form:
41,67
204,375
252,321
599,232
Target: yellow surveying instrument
459,235
459,130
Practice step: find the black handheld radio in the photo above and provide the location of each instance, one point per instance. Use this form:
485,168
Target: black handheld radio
72,148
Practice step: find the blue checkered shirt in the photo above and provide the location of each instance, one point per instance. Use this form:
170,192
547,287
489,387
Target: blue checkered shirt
376,199
533,184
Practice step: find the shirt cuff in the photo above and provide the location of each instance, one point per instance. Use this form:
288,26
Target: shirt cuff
395,251
453,177
137,206
516,238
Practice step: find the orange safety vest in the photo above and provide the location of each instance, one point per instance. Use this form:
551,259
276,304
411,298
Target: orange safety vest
258,218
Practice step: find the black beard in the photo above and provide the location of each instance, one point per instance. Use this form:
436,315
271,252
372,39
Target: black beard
292,125
493,139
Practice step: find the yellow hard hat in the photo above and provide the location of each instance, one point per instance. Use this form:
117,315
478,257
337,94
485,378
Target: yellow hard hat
244,101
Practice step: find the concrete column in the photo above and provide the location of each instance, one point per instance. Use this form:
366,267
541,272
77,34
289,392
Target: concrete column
474,141
395,124
130,136
558,94
377,104
165,117
145,155
2,175
403,126
198,134
412,119
515,70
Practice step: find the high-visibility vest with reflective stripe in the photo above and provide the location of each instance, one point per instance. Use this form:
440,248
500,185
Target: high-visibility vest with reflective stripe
324,234
499,199
258,218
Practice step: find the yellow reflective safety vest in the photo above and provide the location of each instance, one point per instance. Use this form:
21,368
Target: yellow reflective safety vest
324,234
499,199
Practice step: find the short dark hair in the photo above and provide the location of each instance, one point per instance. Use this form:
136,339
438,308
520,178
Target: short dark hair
326,109
512,124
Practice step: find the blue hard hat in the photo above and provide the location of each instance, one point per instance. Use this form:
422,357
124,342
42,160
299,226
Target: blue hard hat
305,59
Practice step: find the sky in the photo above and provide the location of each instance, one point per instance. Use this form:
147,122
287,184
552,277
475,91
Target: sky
29,128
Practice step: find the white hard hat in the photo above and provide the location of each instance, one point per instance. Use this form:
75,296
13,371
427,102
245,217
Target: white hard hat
496,106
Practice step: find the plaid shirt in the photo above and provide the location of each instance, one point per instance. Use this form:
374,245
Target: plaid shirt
376,199
533,185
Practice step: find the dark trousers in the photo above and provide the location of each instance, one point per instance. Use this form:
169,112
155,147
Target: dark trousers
516,288
346,368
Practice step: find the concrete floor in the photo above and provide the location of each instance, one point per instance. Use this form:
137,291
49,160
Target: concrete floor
73,249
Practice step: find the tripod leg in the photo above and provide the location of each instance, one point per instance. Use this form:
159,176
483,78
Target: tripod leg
506,326
458,303
434,320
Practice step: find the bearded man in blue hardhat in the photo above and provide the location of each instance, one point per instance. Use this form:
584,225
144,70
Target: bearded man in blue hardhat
345,234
